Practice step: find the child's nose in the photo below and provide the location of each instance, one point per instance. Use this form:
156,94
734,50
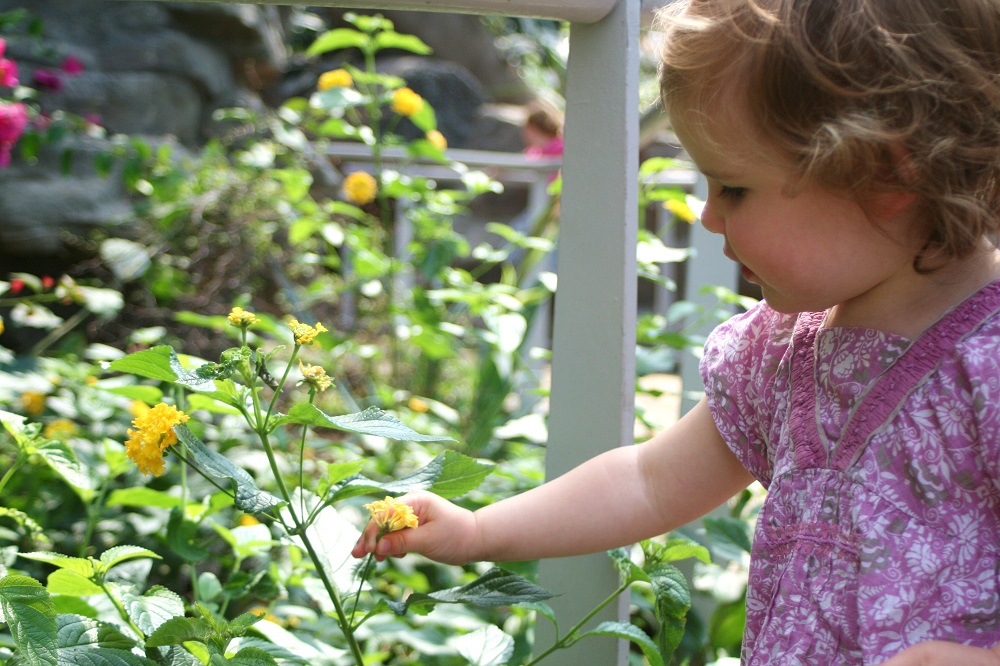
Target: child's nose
711,219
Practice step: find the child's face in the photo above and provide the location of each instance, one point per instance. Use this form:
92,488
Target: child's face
808,248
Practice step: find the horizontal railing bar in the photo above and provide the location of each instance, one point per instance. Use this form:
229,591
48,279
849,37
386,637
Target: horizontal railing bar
576,11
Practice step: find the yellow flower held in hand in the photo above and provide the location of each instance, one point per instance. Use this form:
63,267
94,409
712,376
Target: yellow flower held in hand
391,515
304,333
335,78
360,188
407,103
437,139
241,318
154,434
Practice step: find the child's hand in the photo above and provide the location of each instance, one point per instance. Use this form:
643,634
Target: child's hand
942,653
446,533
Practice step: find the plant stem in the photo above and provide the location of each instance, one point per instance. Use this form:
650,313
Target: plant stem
121,611
20,460
361,584
569,638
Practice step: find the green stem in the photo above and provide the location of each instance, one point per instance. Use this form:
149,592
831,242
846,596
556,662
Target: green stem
569,638
20,460
361,584
274,398
121,610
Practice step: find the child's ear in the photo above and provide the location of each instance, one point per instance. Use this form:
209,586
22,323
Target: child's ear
895,196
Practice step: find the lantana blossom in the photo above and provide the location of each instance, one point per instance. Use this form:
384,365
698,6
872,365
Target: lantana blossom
153,435
315,376
360,188
406,102
436,139
8,68
13,121
391,515
241,318
304,333
335,78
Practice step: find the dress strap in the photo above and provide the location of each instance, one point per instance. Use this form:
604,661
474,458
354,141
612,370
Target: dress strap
909,371
807,450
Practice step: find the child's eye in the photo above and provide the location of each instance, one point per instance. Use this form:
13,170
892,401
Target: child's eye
735,193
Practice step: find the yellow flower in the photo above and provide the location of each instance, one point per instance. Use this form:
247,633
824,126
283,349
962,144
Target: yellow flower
335,78
154,434
360,188
91,380
392,515
33,403
407,103
59,429
437,139
418,405
315,376
681,210
1,325
138,408
241,318
304,333
246,520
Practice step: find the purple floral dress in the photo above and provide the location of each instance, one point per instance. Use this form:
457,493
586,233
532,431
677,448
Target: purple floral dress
881,457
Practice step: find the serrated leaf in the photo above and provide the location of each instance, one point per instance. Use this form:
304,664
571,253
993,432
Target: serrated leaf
248,497
672,603
372,421
64,462
143,496
488,646
31,619
449,475
251,656
70,583
155,607
177,630
628,632
728,538
497,587
153,363
118,554
81,565
87,642
681,549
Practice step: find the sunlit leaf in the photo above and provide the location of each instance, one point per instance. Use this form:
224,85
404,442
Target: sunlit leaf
27,609
497,587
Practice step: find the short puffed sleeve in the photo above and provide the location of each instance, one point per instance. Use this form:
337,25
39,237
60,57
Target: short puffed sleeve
744,388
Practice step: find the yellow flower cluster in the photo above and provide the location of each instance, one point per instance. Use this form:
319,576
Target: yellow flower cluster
61,429
304,333
437,139
360,188
681,210
154,434
315,376
335,78
407,103
241,318
391,515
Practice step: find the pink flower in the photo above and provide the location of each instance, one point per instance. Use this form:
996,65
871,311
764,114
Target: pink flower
13,120
48,80
3,46
72,65
8,73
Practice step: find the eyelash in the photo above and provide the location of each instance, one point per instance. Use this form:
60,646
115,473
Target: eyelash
735,193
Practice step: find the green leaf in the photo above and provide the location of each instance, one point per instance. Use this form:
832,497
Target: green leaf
673,601
81,565
31,619
372,421
154,363
425,118
488,646
340,38
729,538
394,40
143,496
85,641
497,587
64,462
628,632
151,610
450,474
118,554
70,583
181,537
147,394
178,630
251,656
248,497
678,549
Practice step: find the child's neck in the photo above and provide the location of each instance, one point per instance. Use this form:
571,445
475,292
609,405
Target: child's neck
924,299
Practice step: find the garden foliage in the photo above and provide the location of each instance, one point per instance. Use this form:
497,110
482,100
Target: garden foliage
158,507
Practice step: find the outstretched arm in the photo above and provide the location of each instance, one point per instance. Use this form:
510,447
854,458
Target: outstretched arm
942,653
617,498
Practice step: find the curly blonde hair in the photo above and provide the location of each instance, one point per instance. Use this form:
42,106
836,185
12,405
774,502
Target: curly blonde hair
861,95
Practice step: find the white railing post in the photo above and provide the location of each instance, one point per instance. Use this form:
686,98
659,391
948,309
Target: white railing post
593,362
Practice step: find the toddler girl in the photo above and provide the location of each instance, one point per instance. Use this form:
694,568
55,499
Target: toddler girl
852,151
